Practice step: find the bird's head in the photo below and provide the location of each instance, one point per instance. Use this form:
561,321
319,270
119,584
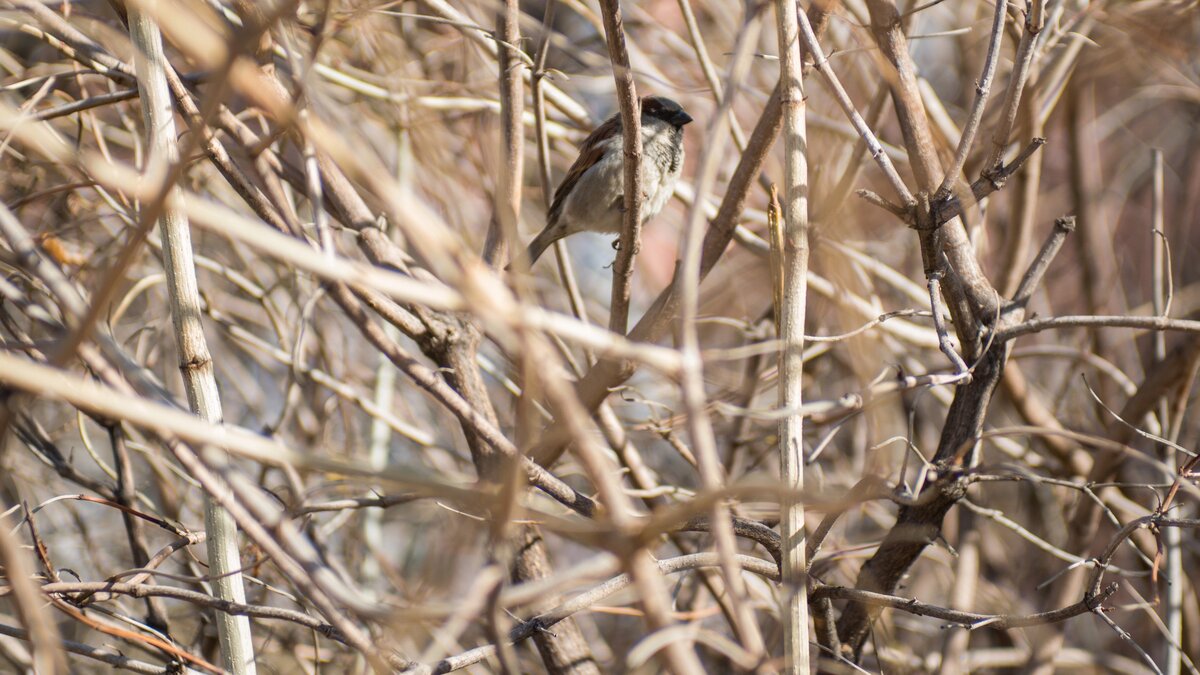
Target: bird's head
660,107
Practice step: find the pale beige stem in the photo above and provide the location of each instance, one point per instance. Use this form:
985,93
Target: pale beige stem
195,362
791,335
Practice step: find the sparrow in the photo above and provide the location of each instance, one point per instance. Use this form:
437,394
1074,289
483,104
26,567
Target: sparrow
591,198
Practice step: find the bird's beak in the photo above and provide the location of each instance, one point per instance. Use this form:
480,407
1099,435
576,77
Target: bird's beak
680,118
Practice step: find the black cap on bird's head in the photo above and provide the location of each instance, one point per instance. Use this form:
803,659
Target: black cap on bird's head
665,109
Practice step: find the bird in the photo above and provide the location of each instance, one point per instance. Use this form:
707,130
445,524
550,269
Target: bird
591,197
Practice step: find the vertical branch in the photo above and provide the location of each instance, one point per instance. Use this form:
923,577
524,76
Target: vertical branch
566,274
699,425
1172,537
631,124
1025,201
30,607
385,388
982,88
710,71
1157,265
512,109
1034,20
564,650
195,362
126,494
791,335
1097,262
962,596
381,437
508,209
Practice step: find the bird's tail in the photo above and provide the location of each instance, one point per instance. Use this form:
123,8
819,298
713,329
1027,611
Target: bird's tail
542,242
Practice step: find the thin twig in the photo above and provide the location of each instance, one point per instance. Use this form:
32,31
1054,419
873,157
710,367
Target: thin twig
969,620
1034,21
1037,269
808,36
983,88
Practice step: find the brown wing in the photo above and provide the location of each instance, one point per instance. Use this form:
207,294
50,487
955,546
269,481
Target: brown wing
590,152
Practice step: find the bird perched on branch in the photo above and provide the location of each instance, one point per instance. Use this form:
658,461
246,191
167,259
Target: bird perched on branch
591,197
